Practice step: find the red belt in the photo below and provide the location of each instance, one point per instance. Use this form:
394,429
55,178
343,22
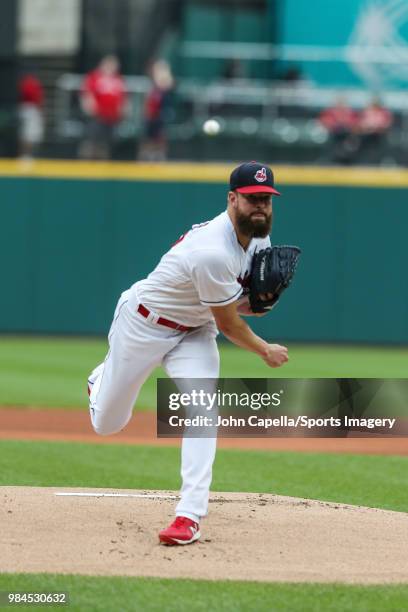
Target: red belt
162,321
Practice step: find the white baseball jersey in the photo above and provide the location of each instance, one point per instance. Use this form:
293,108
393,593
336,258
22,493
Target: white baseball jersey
206,267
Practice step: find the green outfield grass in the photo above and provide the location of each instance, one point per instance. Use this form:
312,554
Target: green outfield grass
366,480
154,594
53,371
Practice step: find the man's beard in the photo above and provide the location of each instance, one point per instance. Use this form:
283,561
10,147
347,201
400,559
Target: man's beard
254,228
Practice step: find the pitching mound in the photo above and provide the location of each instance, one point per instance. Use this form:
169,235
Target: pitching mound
246,537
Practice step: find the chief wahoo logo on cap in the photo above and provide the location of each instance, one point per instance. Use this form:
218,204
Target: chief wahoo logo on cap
260,176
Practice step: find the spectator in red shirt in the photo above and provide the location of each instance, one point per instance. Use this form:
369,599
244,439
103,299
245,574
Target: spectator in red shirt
157,109
31,120
340,121
374,122
104,101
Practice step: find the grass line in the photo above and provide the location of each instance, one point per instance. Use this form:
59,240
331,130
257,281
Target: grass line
366,480
156,594
52,372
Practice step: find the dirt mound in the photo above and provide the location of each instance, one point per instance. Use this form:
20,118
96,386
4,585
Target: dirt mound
246,537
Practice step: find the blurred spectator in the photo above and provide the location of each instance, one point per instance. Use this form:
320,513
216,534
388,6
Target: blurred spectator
157,109
104,101
293,74
373,125
234,69
31,120
341,122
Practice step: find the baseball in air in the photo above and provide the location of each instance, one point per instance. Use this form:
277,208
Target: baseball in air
211,127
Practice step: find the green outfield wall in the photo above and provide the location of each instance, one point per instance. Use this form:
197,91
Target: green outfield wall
73,239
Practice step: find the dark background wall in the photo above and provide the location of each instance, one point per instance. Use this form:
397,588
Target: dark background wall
8,78
132,29
69,247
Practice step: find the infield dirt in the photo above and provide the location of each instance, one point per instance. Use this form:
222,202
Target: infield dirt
20,423
246,537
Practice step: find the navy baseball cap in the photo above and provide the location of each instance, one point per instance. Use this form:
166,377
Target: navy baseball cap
252,177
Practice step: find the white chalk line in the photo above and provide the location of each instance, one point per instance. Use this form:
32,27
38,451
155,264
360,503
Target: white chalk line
139,495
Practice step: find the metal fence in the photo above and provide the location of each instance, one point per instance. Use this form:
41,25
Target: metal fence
276,112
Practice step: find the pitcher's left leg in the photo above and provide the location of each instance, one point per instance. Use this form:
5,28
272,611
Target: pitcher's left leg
195,357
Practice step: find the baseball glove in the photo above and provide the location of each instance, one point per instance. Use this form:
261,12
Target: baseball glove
272,271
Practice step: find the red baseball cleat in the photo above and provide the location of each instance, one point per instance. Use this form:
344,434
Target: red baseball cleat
182,531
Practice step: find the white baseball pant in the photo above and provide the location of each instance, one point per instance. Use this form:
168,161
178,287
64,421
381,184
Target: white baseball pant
137,346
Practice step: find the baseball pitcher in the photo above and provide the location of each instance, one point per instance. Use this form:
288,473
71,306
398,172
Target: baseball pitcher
212,275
